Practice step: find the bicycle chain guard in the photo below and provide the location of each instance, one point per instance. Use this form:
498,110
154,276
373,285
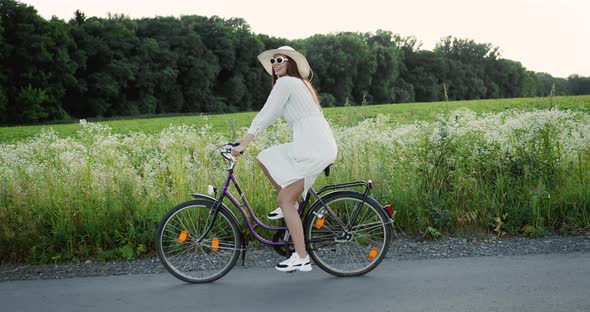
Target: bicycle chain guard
283,250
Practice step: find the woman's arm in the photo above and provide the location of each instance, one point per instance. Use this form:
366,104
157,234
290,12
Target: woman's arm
272,110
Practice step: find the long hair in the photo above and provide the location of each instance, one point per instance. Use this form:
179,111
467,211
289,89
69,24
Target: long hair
293,71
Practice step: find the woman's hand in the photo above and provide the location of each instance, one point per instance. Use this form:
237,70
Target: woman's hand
243,143
238,150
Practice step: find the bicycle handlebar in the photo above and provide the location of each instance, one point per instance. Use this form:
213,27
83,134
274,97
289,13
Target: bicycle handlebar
226,151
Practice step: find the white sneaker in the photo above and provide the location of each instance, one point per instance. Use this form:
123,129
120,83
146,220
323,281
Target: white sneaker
278,213
295,263
275,214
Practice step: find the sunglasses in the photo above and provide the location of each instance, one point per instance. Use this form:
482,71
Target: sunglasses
278,60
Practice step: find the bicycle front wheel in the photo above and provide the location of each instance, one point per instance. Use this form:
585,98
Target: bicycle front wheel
349,235
189,254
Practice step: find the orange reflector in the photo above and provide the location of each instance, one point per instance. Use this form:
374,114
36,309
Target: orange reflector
319,222
182,236
371,184
373,253
215,244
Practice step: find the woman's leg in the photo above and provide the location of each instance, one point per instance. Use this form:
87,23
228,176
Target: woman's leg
287,198
274,183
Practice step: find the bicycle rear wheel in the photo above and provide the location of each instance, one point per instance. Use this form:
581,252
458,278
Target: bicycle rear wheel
342,246
188,255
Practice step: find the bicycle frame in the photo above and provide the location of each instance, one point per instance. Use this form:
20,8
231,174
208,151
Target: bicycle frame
225,193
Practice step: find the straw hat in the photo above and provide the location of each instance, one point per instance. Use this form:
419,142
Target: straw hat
301,61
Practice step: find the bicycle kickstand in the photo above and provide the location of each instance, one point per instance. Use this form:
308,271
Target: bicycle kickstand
244,250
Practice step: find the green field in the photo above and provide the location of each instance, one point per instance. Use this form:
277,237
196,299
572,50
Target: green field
230,124
507,167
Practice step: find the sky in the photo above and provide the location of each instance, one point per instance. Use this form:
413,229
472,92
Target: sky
545,36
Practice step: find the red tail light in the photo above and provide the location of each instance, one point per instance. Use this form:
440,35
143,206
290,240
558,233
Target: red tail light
389,210
371,184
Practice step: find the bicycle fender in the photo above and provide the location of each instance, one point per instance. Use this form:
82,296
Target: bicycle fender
336,193
203,196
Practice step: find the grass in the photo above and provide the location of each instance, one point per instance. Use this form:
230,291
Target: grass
516,166
230,124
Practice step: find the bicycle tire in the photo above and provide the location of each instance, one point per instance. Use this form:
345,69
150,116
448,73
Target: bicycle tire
196,261
368,239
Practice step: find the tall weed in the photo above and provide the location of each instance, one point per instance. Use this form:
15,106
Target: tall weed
100,194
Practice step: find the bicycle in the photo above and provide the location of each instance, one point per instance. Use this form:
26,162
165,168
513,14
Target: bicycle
347,233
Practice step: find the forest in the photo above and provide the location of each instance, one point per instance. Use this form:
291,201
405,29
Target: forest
90,67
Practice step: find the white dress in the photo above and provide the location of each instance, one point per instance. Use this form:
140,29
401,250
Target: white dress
313,147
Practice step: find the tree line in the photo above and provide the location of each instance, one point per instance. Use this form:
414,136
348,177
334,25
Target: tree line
117,66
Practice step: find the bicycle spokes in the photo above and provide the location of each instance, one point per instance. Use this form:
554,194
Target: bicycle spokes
352,249
194,250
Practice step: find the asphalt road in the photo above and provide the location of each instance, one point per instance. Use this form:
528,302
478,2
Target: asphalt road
555,282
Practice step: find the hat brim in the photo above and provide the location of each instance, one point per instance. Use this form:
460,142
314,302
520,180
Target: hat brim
301,61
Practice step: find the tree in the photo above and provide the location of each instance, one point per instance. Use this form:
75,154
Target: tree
93,67
32,100
385,48
578,84
246,76
3,106
3,98
426,71
510,78
466,61
79,18
544,82
342,64
159,75
34,57
60,69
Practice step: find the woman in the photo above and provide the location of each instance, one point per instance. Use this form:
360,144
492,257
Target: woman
293,167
